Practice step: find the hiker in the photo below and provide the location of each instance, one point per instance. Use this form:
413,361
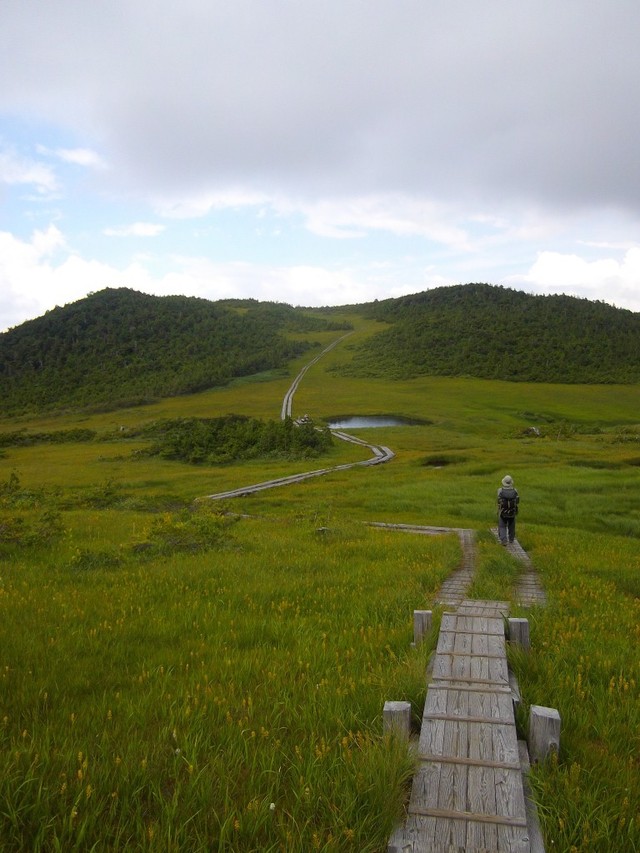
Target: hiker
508,500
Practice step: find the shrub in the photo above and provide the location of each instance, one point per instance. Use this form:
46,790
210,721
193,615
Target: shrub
191,530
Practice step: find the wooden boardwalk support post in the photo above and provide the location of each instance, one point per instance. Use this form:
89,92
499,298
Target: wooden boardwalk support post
544,732
396,718
422,621
519,633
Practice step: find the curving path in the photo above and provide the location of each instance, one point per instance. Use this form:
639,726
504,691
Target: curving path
529,591
288,397
379,452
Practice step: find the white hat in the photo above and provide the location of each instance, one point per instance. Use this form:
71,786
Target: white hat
507,481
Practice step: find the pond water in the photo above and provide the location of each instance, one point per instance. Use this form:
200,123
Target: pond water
369,421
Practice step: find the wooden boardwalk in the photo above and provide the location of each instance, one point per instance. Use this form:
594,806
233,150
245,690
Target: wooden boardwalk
467,794
454,589
529,590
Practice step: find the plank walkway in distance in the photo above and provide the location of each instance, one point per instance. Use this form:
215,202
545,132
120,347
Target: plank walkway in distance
467,793
529,590
454,589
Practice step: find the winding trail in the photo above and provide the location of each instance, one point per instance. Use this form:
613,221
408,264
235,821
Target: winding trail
379,452
287,403
529,591
470,790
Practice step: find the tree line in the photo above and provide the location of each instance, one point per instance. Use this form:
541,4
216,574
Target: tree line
120,347
490,332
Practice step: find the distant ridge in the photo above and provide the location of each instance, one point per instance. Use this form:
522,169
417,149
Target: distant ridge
119,347
491,332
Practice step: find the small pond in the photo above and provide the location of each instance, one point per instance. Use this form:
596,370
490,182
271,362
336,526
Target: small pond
370,421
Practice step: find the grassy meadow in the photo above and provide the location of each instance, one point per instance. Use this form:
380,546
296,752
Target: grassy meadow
189,675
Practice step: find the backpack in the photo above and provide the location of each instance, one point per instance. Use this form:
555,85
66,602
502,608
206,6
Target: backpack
508,505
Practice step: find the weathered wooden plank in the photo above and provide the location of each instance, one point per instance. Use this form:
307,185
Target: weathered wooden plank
504,820
471,687
476,623
510,794
455,642
431,789
470,668
488,704
480,742
479,704
467,792
458,718
432,738
475,683
482,793
483,608
457,759
504,745
419,836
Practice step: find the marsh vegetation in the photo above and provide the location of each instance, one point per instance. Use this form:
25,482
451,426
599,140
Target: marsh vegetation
185,677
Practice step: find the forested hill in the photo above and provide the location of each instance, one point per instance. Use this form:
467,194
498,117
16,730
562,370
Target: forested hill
119,346
496,333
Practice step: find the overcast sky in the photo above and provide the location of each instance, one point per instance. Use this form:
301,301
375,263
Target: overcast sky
317,152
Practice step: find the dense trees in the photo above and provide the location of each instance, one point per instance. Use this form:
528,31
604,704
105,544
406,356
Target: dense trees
234,437
119,346
497,333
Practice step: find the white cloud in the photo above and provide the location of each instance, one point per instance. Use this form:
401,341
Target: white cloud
196,205
40,273
44,271
16,169
607,279
339,218
46,243
395,214
136,229
382,127
364,97
81,157
296,284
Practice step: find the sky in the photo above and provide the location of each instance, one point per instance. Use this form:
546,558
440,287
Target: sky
317,152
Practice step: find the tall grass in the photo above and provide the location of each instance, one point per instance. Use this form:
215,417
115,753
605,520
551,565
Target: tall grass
585,663
230,699
227,701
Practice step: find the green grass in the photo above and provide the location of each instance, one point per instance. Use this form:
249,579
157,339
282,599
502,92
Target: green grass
171,703
165,701
585,663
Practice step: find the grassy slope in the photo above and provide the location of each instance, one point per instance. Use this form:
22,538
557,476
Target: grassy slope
283,601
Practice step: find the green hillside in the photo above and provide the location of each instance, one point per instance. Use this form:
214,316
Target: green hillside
182,674
118,346
496,333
